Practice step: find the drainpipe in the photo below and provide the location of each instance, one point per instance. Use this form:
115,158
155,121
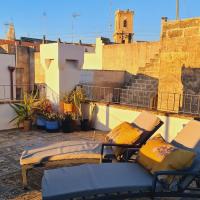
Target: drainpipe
11,70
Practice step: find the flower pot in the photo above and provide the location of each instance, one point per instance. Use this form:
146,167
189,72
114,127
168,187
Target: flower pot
67,126
61,107
52,126
68,107
85,125
27,125
40,122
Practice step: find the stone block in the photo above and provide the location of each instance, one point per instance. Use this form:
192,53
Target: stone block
175,33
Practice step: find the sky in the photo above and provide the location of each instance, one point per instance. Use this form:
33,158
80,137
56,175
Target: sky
92,18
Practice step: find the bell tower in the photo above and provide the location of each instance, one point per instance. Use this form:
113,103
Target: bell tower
123,26
11,32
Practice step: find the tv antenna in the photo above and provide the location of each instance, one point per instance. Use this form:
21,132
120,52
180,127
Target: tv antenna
6,27
44,22
177,10
110,16
74,16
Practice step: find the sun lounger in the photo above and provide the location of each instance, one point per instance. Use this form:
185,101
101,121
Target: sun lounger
79,152
125,180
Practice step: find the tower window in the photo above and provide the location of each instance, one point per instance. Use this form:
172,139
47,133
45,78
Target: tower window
125,23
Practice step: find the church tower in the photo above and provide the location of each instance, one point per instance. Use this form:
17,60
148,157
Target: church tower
123,26
11,32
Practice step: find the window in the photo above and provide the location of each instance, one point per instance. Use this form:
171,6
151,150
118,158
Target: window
125,23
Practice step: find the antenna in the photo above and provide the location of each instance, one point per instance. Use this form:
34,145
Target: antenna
44,24
74,16
110,16
6,25
177,9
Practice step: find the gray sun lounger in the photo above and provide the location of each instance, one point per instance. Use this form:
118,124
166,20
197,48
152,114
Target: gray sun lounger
79,152
124,180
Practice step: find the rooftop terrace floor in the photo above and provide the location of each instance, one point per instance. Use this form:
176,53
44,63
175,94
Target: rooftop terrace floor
12,143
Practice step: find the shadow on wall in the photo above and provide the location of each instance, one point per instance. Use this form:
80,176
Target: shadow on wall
142,91
190,78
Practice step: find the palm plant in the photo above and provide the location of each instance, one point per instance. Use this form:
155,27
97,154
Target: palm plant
78,99
25,109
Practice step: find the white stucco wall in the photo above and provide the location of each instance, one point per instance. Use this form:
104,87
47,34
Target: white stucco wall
5,61
94,60
6,114
109,117
70,64
62,64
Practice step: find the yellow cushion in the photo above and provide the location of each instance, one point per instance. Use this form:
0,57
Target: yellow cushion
124,133
158,155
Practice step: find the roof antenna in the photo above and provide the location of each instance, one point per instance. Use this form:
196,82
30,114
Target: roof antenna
110,28
177,10
74,16
44,24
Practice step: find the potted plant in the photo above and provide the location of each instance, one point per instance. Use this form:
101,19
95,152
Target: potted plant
67,123
67,102
52,122
44,106
78,99
24,111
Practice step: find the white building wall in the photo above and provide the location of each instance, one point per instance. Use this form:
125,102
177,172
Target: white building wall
94,60
6,115
108,117
62,64
70,64
49,62
5,61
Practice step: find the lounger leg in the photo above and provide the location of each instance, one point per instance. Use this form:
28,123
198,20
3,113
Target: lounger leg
24,177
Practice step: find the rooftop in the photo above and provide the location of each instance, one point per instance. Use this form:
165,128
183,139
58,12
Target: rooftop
12,144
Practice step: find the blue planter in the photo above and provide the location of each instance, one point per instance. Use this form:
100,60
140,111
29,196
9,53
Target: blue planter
41,122
52,126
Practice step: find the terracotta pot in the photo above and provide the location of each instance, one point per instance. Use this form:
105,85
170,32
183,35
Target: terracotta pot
27,125
68,107
61,106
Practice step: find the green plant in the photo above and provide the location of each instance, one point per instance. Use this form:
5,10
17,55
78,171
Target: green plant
67,97
51,116
78,98
43,106
25,110
66,117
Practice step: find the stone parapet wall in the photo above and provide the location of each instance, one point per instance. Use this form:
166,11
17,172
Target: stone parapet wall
180,46
181,28
140,91
128,57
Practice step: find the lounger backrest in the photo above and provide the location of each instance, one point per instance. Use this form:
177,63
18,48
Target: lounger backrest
149,124
189,138
146,121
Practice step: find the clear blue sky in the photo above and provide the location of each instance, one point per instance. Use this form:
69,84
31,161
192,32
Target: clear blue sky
35,18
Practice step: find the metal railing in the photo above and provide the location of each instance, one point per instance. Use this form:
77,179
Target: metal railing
131,97
19,90
162,101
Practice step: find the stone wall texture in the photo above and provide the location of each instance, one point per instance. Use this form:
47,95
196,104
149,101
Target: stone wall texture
180,46
166,60
128,57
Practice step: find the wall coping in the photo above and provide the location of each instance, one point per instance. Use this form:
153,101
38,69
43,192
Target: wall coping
157,112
